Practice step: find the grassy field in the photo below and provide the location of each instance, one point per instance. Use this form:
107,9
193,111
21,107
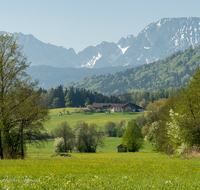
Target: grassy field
105,169
98,118
110,146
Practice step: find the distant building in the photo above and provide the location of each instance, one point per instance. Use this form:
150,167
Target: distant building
115,107
121,148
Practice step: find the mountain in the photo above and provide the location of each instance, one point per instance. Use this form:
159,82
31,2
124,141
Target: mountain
173,71
49,76
154,42
39,53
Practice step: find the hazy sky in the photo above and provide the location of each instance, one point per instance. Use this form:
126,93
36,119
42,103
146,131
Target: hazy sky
81,23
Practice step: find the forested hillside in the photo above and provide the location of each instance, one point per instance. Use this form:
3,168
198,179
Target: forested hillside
173,71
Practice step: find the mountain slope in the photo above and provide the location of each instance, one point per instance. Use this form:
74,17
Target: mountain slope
39,53
49,76
173,71
156,41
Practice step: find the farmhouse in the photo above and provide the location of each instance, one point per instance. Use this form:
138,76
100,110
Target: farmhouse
128,107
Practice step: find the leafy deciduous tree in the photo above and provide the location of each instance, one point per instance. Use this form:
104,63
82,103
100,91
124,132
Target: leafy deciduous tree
65,131
132,138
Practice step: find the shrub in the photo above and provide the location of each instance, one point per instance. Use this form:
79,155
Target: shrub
59,145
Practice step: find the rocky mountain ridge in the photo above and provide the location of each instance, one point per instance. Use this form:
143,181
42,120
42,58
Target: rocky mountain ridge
154,42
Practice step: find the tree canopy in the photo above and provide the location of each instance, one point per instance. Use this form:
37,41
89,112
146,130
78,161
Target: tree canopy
22,111
132,138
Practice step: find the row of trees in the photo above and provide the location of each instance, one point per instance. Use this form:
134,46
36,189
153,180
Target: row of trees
173,125
144,98
85,138
113,129
22,109
59,97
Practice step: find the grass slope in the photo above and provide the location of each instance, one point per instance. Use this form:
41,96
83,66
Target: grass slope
98,118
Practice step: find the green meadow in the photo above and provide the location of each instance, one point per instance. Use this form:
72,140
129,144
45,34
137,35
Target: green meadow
105,169
98,118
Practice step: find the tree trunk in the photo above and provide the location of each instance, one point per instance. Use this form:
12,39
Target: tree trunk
65,145
1,149
22,142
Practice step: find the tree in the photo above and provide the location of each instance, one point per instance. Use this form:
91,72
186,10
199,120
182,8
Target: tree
16,89
64,110
110,129
69,98
55,103
88,137
87,102
132,138
28,120
65,131
153,135
189,108
90,108
59,145
120,128
128,109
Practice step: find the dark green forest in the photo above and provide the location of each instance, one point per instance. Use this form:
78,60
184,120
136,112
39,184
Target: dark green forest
75,97
173,71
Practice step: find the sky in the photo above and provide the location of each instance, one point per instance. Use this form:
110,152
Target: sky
78,24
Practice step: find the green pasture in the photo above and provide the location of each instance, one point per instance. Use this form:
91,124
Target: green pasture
98,118
106,169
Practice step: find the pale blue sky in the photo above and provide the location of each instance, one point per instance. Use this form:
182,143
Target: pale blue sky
81,23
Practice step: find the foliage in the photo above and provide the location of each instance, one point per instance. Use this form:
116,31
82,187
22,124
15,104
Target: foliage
59,144
73,97
173,71
177,118
64,131
120,128
174,130
127,109
132,138
22,111
153,135
56,103
87,137
110,129
189,108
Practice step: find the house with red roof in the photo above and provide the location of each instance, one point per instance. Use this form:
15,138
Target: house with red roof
117,107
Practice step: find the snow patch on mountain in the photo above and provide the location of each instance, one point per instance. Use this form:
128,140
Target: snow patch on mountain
159,24
126,64
92,62
123,49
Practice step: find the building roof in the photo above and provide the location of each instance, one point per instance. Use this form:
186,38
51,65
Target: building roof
120,146
102,105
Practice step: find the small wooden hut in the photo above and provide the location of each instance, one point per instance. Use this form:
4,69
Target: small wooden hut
121,148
